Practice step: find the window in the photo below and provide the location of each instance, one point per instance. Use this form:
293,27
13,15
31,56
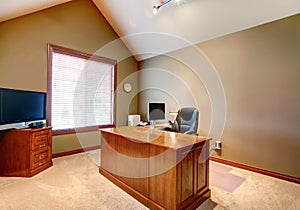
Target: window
80,90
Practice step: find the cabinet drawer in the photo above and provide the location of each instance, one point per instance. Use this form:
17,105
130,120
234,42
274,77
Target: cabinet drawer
40,158
41,132
39,141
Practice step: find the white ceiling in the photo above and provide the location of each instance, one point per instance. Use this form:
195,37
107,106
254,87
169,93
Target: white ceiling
175,26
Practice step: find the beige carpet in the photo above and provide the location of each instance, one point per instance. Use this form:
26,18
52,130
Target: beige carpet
75,183
250,190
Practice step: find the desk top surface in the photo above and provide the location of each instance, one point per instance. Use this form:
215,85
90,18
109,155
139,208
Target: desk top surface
156,136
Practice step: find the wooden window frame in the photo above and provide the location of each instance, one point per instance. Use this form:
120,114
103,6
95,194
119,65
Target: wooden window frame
58,49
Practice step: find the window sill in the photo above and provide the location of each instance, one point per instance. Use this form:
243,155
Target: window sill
79,130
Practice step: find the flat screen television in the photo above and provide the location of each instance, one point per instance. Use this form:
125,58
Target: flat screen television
21,106
156,111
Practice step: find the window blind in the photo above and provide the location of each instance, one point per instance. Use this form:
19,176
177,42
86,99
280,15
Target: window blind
82,92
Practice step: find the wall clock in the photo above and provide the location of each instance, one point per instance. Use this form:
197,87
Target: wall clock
127,87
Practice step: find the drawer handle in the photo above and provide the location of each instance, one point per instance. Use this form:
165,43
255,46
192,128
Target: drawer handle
42,145
41,163
41,157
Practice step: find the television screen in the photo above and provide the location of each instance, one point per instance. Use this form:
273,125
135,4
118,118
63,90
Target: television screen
21,106
156,111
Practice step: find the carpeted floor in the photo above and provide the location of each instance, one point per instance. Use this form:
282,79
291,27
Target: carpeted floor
75,183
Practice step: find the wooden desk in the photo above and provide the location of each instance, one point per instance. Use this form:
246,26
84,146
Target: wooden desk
161,169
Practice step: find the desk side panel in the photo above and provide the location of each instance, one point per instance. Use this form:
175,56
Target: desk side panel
162,180
192,177
126,160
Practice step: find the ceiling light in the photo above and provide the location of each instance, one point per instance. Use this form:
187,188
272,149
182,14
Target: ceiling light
156,8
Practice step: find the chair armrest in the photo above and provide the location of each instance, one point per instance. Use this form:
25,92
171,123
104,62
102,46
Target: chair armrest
175,127
191,132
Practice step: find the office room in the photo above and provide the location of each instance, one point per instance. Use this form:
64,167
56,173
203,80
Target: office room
236,62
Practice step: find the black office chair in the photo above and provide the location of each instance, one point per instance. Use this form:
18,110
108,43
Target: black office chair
186,121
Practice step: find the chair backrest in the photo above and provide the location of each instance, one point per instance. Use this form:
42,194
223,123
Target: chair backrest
186,121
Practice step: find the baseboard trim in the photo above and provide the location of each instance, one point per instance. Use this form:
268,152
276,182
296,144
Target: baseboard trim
257,170
76,151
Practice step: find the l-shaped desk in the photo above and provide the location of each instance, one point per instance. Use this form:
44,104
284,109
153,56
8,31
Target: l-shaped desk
161,169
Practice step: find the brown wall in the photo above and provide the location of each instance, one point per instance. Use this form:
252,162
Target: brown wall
23,54
260,72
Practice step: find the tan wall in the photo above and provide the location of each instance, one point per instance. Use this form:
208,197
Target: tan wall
23,54
169,79
260,72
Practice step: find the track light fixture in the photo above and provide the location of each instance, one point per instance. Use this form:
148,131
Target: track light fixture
157,7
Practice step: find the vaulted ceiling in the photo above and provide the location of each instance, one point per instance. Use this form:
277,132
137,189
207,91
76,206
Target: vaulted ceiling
175,25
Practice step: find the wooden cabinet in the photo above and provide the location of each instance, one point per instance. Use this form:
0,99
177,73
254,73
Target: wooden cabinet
25,152
192,181
183,186
161,169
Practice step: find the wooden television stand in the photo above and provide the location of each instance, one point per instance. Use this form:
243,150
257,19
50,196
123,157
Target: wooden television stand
25,152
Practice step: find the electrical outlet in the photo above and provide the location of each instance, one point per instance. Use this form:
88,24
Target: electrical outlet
218,145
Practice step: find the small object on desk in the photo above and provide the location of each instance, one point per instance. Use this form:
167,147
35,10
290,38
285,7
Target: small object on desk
152,124
143,123
167,129
133,119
